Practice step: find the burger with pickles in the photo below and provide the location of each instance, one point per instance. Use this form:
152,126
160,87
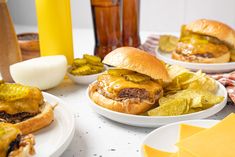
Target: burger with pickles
206,41
133,86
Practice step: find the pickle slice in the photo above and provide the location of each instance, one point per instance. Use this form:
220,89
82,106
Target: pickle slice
168,43
119,72
94,60
83,70
11,92
137,78
79,61
97,69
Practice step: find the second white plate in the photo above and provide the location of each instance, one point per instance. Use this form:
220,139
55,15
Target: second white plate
208,68
155,121
164,138
54,139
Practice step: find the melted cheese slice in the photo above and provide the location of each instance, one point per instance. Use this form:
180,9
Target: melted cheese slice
185,132
218,141
8,133
116,83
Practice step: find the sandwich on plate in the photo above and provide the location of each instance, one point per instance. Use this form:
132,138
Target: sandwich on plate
206,41
133,86
24,106
13,143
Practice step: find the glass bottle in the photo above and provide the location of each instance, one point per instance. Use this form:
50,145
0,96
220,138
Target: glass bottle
9,47
106,21
130,24
55,28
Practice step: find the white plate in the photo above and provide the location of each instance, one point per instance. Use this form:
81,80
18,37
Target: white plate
54,139
208,68
165,137
86,79
155,121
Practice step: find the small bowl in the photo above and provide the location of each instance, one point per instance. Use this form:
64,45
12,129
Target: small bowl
85,79
29,45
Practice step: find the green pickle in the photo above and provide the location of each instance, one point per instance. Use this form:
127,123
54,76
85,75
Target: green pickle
92,59
87,65
137,78
83,70
97,69
11,92
119,72
79,61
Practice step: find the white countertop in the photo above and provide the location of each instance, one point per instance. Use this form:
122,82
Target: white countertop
95,135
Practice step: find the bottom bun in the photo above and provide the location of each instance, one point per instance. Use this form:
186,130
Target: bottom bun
37,122
128,106
232,57
195,59
26,147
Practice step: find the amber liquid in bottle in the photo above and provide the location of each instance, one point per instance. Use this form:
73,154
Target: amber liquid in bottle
9,47
130,25
106,21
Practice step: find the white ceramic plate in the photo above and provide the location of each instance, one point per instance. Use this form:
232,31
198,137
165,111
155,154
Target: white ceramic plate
86,79
155,121
208,68
165,137
54,139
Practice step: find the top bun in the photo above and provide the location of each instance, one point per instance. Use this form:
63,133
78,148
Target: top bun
137,60
213,28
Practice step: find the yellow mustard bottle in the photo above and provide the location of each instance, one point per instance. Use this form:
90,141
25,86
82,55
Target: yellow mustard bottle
55,28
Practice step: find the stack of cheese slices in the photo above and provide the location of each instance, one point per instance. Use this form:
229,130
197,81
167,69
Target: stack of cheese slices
217,141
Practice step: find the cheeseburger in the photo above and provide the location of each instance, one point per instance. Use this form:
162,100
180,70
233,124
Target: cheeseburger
133,86
24,107
13,143
206,41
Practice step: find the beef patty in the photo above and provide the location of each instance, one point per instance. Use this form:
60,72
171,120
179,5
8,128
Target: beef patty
133,93
14,144
15,118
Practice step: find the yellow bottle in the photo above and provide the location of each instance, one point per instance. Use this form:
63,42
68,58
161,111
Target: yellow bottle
55,28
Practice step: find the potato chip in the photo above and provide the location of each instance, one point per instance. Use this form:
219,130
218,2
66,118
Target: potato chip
188,92
192,100
173,107
193,110
183,79
168,43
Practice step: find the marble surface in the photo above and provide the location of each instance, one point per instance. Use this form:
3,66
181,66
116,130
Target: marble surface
95,135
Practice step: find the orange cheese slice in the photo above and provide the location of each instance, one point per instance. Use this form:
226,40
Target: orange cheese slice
217,141
185,132
152,152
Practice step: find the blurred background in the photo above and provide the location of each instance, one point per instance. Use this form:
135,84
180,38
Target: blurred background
156,15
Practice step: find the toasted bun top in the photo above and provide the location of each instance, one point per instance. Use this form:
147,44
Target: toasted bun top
137,60
215,29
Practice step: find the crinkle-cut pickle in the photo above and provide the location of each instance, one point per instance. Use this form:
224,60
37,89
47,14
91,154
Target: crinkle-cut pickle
119,72
136,78
11,92
92,59
83,70
79,61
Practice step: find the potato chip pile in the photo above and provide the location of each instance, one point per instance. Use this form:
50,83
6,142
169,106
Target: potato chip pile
188,92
